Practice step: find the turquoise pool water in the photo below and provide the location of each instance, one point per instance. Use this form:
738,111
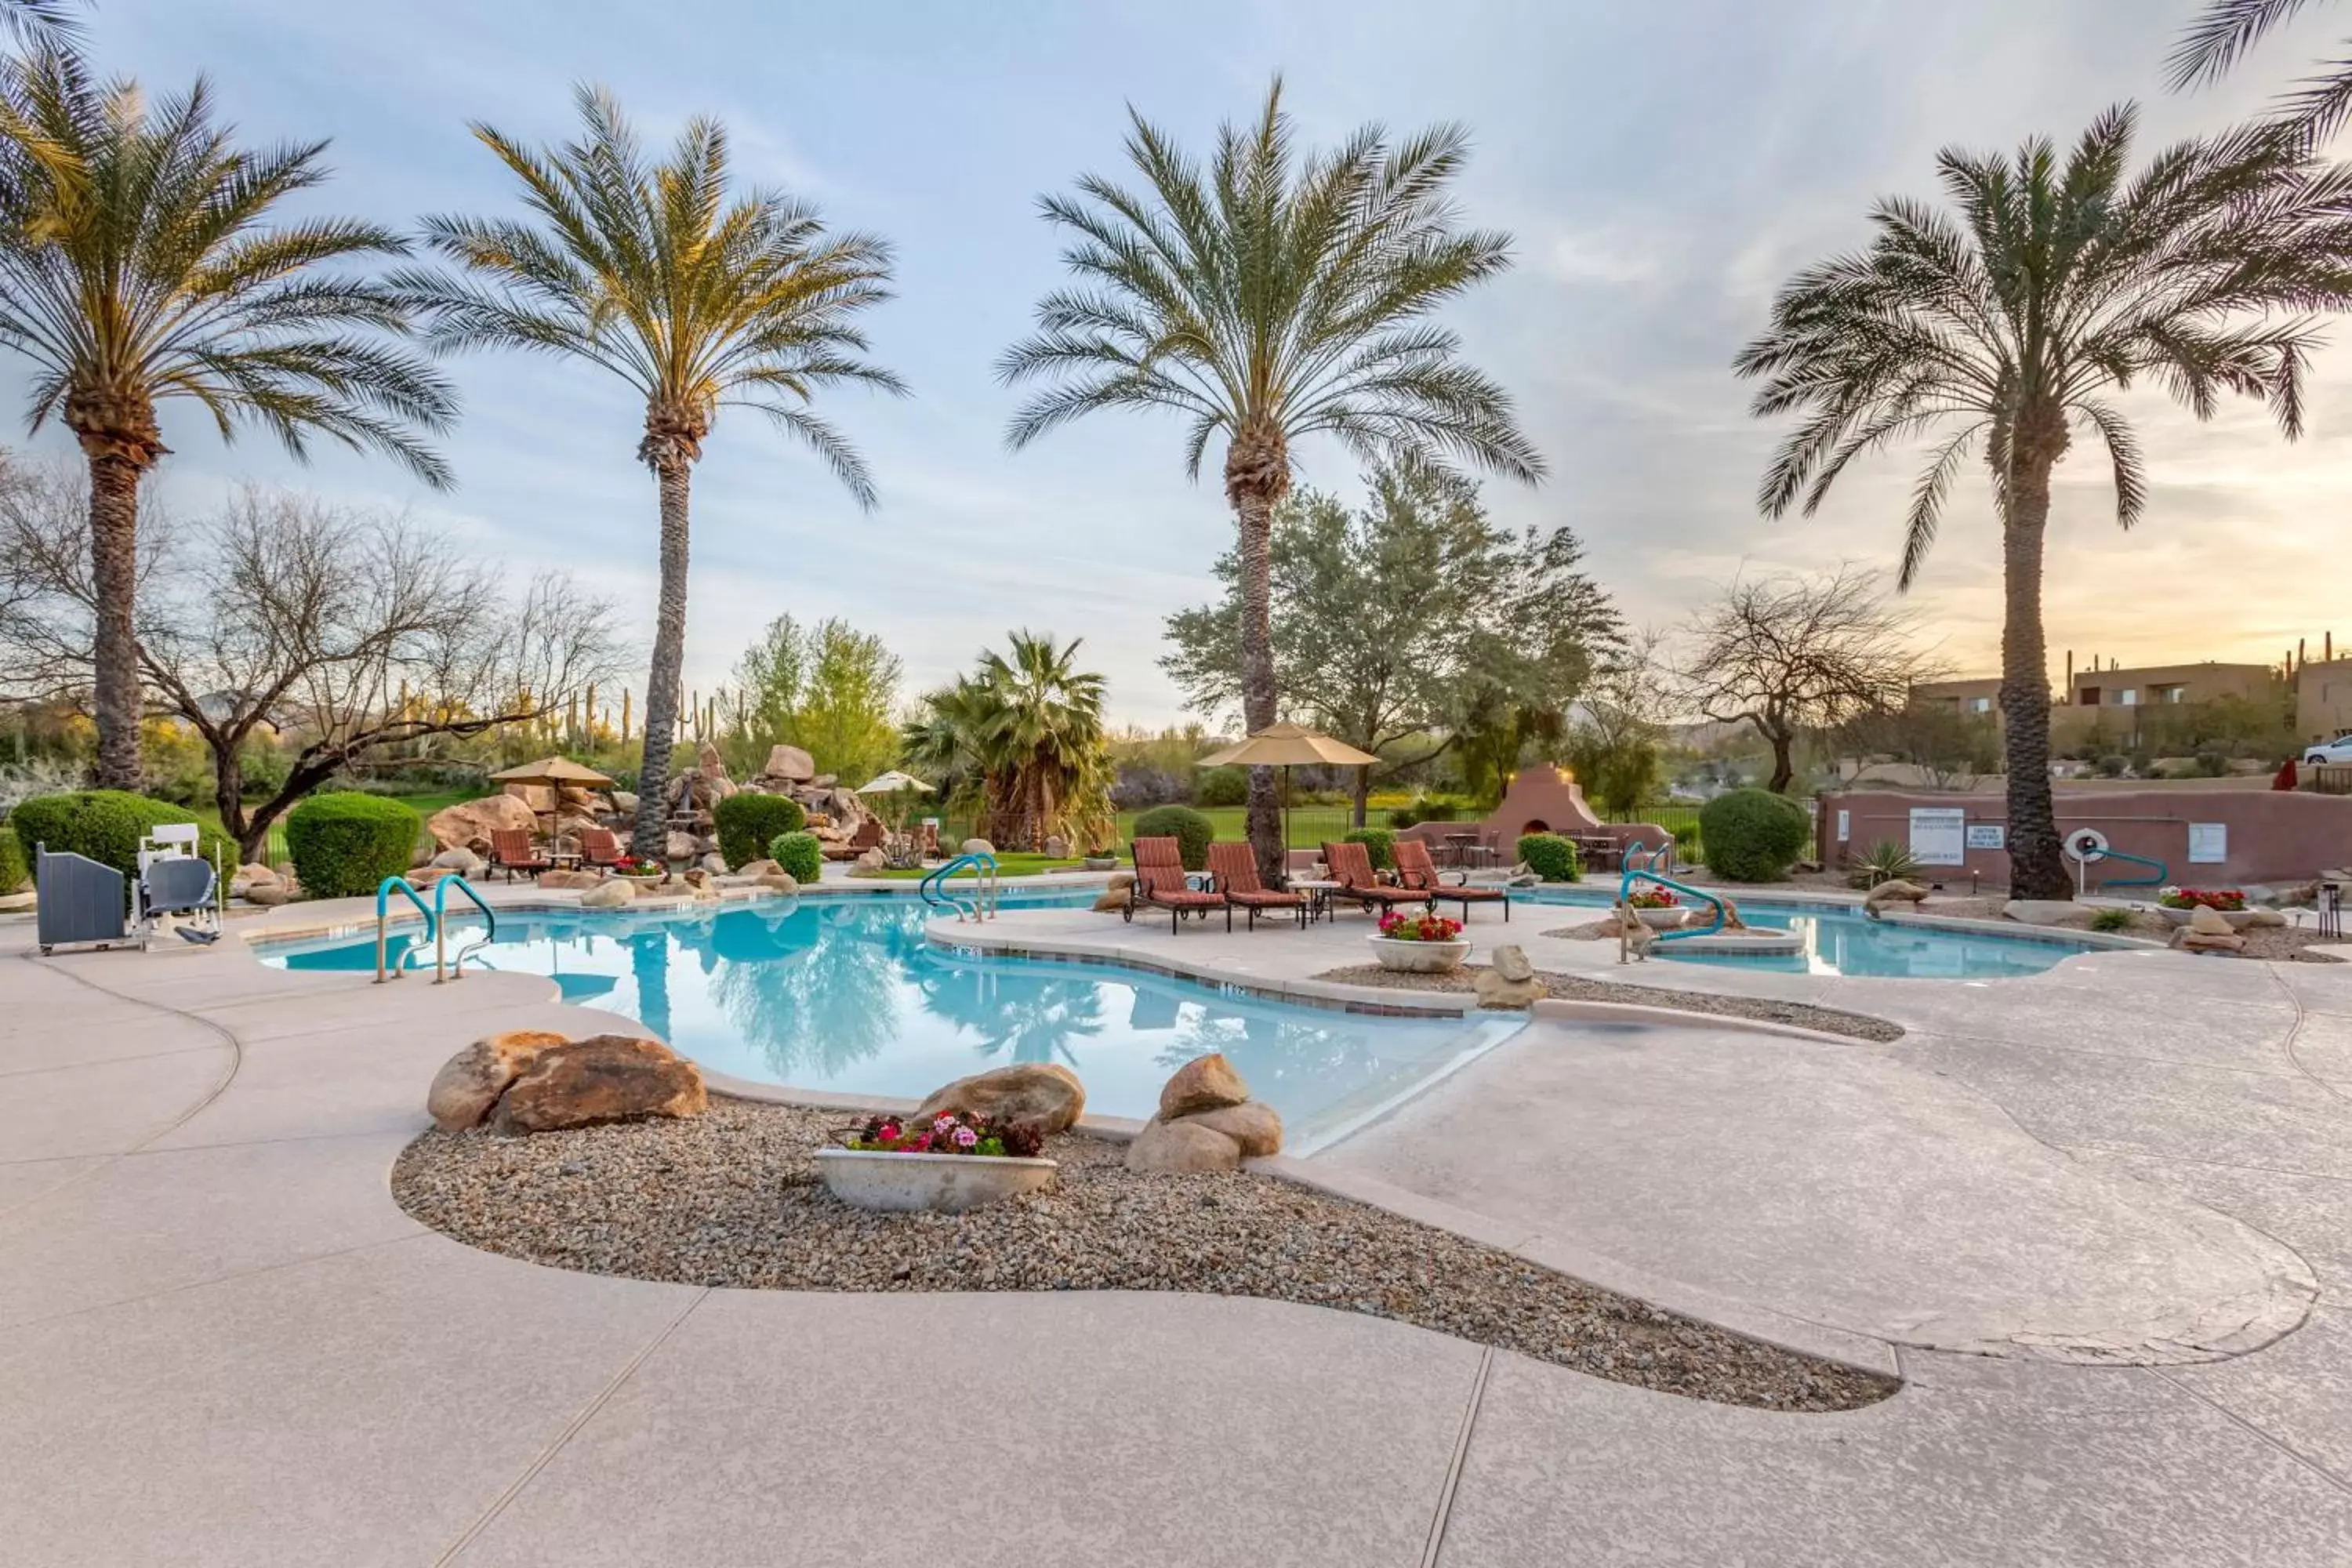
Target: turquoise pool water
844,994
1837,943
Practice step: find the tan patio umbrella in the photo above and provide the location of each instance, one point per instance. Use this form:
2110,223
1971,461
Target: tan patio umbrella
1285,746
552,774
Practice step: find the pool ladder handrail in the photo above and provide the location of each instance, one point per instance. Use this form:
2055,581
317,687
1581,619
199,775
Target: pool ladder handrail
1660,858
441,926
984,901
382,919
2163,872
1626,887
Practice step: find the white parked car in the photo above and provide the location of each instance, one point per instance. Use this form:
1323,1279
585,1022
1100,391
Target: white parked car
2337,750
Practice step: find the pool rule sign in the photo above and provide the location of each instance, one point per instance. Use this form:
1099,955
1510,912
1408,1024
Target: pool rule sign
1939,835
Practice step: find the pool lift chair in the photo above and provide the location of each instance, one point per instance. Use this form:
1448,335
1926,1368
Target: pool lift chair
175,880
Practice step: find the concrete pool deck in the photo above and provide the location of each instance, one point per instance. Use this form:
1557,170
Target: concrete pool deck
224,1344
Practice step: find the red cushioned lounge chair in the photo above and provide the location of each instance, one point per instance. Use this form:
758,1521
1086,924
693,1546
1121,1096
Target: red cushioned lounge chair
1418,872
511,850
1234,866
1160,883
1352,868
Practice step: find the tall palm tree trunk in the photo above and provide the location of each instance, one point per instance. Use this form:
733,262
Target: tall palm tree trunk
2035,868
114,577
651,839
1257,472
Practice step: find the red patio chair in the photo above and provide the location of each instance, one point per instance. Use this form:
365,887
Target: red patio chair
1417,872
1352,868
601,848
1159,882
511,850
1234,866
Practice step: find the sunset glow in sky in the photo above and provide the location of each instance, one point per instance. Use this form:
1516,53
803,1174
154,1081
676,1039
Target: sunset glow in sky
1663,167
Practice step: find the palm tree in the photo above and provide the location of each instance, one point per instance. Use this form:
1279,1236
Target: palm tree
36,24
648,270
2226,30
1271,297
143,257
2005,326
1021,741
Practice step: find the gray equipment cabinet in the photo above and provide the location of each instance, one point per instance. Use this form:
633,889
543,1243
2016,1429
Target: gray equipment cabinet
80,900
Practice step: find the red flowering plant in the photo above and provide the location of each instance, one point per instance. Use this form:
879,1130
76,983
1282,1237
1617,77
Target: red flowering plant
2229,900
1395,927
1652,899
949,1132
634,866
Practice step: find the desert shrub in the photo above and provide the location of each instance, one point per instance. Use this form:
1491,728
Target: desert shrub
1380,845
798,853
1402,817
106,825
1888,860
344,844
2213,763
2111,919
1190,830
1550,856
747,821
1686,838
1752,834
13,871
1220,786
2112,766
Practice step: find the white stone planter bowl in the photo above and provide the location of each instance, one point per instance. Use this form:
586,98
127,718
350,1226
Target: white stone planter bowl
950,1184
2238,918
1420,957
1667,919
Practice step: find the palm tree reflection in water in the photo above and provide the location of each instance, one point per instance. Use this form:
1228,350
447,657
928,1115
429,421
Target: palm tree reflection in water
1025,1017
814,990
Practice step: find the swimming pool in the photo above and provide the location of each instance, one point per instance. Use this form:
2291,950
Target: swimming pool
1842,941
844,994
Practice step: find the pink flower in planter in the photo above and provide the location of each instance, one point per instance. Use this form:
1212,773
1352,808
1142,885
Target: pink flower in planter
965,1137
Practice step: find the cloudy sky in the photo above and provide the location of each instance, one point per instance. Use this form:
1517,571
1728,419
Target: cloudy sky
1663,168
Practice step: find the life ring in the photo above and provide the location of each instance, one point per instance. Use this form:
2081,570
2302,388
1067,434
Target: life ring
2085,845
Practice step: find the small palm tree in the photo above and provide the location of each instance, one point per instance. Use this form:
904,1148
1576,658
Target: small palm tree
648,270
1021,741
2006,325
143,257
2223,34
1266,298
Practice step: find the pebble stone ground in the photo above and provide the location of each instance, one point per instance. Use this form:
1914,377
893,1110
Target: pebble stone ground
226,1343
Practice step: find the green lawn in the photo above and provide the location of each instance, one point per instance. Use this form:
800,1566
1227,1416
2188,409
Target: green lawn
1009,863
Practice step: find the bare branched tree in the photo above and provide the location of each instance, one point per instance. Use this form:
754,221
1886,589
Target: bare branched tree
1792,655
345,632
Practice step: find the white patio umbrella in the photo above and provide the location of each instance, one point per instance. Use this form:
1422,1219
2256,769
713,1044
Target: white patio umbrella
892,783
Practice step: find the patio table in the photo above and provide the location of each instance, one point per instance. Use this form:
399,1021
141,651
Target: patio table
1318,891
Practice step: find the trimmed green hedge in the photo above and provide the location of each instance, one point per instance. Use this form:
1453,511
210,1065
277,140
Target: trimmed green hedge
14,861
1752,834
1550,856
344,844
747,822
105,824
1380,845
1190,830
801,856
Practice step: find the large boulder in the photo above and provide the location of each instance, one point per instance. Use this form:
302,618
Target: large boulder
1056,847
612,893
469,1083
1256,1126
789,765
624,804
1896,892
978,847
560,881
2207,922
2041,911
469,824
681,846
604,1078
461,860
252,875
1045,1096
1509,981
1116,892
1183,1149
780,882
1205,1083
758,869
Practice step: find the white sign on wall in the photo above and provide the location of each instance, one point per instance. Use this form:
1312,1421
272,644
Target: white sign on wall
1939,835
1846,825
1988,836
2208,843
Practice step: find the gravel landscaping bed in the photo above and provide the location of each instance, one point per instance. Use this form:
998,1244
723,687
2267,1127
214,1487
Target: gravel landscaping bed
730,1198
2286,944
1580,988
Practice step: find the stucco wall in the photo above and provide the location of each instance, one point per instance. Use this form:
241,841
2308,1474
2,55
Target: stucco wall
2272,836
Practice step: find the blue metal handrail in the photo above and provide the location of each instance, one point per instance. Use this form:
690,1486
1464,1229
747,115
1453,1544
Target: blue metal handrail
441,925
383,896
2163,872
1633,874
1652,858
982,865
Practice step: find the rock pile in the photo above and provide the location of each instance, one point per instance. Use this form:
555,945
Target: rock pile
2208,930
1892,892
834,814
1115,895
1509,980
469,824
531,1080
1207,1122
257,884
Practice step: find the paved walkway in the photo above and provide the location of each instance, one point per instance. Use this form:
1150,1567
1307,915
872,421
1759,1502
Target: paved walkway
224,1343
